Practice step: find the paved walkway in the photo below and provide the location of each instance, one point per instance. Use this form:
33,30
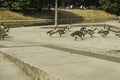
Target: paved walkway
8,71
26,44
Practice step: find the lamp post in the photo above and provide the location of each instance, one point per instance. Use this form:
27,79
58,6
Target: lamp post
56,13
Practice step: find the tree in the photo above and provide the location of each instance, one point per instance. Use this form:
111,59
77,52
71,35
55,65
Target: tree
5,3
1,3
24,5
112,6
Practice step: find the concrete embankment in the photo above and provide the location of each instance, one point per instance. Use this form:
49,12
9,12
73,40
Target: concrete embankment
114,24
64,58
34,73
119,19
9,71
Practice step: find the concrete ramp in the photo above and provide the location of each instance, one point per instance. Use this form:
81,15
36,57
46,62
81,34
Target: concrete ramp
48,64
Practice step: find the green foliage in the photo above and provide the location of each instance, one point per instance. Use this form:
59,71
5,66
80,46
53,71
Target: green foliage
112,6
24,6
15,6
4,3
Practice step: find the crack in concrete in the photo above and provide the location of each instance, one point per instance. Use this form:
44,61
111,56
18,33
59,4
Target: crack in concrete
85,53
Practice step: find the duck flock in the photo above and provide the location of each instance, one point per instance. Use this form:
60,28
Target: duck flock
83,31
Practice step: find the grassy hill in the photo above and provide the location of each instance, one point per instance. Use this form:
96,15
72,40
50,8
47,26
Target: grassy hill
90,14
9,15
65,16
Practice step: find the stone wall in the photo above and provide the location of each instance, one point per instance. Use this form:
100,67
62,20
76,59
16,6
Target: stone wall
33,72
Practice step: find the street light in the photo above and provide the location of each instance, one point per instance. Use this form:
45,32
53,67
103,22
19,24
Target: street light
56,13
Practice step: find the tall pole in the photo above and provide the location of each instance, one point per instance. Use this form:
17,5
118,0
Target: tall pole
56,13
